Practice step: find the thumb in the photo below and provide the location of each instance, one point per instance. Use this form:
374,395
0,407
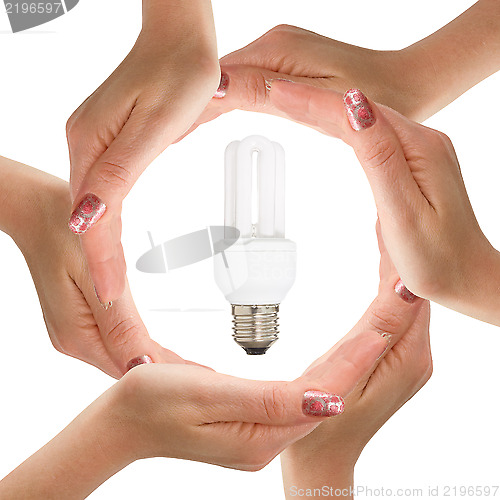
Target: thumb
361,124
96,213
110,178
308,399
380,153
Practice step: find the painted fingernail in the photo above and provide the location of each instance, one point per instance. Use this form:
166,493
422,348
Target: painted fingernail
223,85
322,404
358,109
269,83
387,337
404,293
105,305
140,360
86,214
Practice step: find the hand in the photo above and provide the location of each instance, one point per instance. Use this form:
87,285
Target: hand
303,56
328,455
77,323
191,413
416,81
427,221
151,98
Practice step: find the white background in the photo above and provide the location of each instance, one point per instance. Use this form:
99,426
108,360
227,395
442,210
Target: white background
446,435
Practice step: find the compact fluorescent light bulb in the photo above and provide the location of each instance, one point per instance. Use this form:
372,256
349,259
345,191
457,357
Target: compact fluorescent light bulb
256,271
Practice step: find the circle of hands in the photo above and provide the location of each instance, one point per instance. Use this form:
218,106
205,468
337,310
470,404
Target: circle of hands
347,394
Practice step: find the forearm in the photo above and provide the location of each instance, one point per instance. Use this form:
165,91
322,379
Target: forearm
84,455
455,58
179,19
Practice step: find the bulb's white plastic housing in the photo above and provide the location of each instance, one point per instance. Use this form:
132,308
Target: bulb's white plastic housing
256,272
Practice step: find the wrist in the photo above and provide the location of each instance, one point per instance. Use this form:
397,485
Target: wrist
164,20
308,469
136,410
26,196
85,454
19,195
478,292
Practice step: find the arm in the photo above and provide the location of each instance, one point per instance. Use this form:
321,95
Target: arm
416,81
455,58
189,412
427,221
33,208
85,454
326,457
21,191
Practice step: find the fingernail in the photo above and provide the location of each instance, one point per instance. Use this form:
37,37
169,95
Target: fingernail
140,360
86,214
105,305
322,404
358,109
223,85
269,83
404,293
387,337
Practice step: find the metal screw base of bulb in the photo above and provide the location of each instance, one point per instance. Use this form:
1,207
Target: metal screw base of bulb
255,327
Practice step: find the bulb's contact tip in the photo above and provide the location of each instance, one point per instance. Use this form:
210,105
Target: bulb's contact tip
255,351
255,327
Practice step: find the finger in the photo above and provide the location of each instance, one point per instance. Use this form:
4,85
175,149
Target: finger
105,258
373,139
409,362
391,314
125,336
307,399
247,88
387,270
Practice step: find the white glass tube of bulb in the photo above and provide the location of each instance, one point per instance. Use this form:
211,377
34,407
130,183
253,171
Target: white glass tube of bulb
256,272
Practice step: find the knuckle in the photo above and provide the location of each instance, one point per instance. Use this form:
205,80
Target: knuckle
425,366
123,332
282,30
256,94
274,402
257,459
66,346
73,129
380,153
445,139
114,174
384,320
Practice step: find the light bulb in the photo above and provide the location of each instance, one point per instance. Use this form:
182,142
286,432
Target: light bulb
255,272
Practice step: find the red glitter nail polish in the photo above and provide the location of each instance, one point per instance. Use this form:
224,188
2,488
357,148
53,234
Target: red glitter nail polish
223,85
140,360
358,109
404,293
322,404
86,214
